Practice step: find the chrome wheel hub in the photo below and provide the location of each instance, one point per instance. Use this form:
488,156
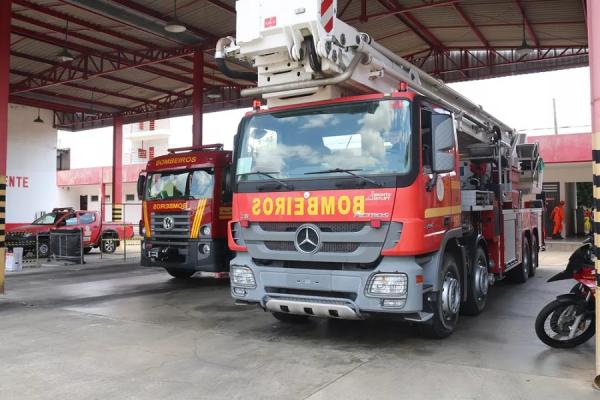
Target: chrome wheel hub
481,280
450,296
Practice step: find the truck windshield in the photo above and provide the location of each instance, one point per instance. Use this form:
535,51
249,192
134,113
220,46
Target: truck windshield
47,219
371,137
196,184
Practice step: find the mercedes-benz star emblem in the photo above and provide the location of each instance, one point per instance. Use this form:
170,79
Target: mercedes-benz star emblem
308,240
168,223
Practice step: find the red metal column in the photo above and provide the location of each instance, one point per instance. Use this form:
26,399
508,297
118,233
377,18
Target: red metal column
117,171
198,98
5,11
593,14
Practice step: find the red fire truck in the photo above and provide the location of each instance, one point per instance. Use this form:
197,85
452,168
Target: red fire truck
186,205
368,187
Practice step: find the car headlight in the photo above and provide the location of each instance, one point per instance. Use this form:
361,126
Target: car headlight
205,230
388,285
242,276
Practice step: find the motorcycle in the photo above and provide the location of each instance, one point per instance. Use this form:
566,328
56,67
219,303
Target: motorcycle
570,320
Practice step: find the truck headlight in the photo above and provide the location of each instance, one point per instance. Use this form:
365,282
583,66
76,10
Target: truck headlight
388,285
143,231
205,230
242,276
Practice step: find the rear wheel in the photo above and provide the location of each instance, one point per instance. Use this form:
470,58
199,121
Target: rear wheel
109,245
478,285
179,273
290,318
535,251
447,305
86,250
520,274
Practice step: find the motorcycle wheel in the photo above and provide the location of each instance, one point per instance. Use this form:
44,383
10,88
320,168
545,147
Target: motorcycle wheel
553,324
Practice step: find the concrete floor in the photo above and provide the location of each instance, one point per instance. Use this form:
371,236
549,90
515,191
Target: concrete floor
123,332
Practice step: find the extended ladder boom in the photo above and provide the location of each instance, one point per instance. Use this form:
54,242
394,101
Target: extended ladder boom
303,52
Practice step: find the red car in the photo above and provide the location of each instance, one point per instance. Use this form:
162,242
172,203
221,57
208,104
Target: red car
96,234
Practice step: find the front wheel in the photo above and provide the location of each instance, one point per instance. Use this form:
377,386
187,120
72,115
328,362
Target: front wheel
180,274
564,324
446,307
43,249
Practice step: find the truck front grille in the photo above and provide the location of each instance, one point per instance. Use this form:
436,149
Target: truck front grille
327,247
180,232
334,227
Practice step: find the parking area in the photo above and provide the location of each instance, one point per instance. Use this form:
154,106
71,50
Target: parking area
122,331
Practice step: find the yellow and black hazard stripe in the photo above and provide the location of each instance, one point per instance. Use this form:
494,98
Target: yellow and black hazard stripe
198,219
2,230
225,213
117,212
596,162
147,224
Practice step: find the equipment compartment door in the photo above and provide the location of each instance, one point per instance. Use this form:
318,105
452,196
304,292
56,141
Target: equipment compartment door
510,236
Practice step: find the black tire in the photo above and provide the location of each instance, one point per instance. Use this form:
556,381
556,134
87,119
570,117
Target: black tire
86,250
108,245
552,312
447,304
43,248
290,318
180,273
477,292
535,252
520,274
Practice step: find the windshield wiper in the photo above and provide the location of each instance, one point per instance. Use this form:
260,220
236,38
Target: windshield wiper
270,176
346,171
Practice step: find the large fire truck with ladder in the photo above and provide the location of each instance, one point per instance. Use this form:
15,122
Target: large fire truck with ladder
368,187
186,204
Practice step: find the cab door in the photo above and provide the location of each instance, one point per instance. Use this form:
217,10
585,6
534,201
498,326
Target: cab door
442,189
89,226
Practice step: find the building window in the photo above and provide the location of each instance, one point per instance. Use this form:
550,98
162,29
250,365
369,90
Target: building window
107,198
63,159
94,198
129,197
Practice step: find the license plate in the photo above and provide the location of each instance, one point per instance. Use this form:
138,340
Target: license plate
153,253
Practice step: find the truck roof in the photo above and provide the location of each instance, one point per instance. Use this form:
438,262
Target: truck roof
191,157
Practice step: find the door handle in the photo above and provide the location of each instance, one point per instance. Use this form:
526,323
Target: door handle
446,221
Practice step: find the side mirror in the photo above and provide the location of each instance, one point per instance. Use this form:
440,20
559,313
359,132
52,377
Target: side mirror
443,142
141,183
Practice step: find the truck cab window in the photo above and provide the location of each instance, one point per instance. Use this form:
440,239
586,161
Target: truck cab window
87,218
202,184
426,139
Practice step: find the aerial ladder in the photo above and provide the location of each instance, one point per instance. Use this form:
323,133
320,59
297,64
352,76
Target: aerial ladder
302,52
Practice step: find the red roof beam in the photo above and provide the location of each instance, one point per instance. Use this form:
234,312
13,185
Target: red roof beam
527,23
112,78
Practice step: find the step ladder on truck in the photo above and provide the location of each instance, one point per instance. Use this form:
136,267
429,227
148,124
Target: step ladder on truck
368,187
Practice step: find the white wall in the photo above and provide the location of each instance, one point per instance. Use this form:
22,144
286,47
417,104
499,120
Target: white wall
31,154
69,197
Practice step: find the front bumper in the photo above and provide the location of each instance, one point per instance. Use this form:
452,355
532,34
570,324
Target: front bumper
186,256
328,293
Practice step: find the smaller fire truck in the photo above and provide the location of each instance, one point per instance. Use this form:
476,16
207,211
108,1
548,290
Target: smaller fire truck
186,206
96,234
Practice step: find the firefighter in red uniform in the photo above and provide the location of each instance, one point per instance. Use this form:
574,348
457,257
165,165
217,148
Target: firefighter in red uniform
557,216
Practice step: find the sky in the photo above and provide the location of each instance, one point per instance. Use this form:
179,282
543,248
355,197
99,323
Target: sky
522,101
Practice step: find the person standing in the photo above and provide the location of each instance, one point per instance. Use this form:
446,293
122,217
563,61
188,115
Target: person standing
558,215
